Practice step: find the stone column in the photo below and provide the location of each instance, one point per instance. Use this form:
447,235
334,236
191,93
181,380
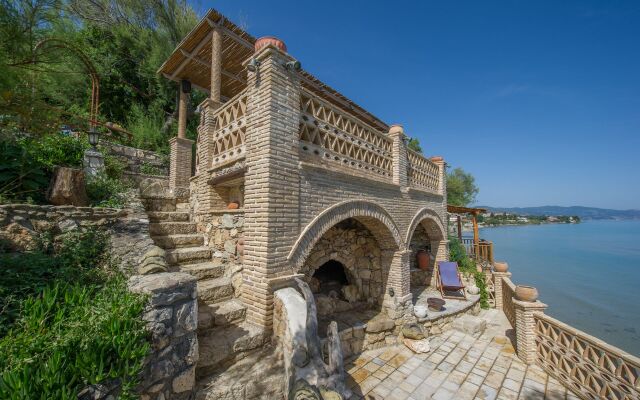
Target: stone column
216,66
398,293
93,162
180,168
271,181
526,328
442,181
497,287
400,161
185,89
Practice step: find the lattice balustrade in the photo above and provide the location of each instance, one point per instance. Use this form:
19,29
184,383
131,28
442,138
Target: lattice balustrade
229,131
508,293
330,133
590,367
422,172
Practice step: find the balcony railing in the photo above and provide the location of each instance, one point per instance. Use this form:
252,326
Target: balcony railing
482,252
422,172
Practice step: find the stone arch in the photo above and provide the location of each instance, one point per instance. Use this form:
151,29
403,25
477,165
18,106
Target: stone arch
375,218
432,221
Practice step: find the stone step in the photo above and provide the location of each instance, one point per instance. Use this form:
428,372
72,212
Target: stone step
203,271
188,255
155,204
184,207
215,290
177,241
223,345
173,216
171,228
220,314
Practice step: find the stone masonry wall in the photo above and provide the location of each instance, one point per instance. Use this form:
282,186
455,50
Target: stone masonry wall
172,319
135,158
133,248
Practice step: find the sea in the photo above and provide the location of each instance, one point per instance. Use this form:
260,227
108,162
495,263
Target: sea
587,273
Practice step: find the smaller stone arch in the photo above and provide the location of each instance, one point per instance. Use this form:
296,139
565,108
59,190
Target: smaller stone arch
434,224
375,218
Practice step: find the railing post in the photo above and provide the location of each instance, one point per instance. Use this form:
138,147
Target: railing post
526,328
400,161
497,287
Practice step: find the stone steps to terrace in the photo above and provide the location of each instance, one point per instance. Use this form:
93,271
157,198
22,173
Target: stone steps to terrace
188,255
177,241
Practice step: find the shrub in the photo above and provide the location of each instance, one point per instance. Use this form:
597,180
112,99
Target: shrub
22,177
146,126
150,169
77,322
458,253
58,150
104,191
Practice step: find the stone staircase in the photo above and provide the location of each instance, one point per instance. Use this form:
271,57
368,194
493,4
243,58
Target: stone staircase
223,335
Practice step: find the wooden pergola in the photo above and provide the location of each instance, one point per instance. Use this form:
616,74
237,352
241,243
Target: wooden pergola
478,250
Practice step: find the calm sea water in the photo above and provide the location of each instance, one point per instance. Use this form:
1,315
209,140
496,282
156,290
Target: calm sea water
588,273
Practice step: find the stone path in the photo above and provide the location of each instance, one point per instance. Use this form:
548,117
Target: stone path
459,366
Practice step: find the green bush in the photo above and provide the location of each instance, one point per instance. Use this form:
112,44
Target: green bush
58,150
150,169
22,176
458,253
104,191
77,323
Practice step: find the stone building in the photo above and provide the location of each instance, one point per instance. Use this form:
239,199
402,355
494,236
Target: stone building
289,179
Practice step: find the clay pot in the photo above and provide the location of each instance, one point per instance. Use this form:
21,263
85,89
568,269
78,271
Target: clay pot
420,311
435,304
269,40
526,293
423,260
500,266
240,247
233,205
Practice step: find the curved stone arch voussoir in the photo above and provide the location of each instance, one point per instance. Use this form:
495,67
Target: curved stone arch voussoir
371,215
426,214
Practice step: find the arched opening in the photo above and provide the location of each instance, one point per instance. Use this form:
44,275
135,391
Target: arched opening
427,245
330,279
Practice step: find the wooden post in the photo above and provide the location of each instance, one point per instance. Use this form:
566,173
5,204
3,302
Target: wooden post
459,229
216,65
476,235
185,89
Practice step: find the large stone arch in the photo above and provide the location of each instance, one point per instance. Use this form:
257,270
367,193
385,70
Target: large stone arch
373,216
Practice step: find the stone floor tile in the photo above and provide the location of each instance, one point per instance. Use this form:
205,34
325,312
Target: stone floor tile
442,394
445,366
387,368
486,393
423,372
424,391
464,366
510,384
529,383
506,394
368,384
457,377
516,375
379,361
494,379
407,387
414,380
467,390
371,367
451,386
398,394
380,374
530,394
475,379
360,375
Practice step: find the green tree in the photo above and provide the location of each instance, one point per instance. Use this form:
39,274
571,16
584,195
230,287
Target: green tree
461,188
414,144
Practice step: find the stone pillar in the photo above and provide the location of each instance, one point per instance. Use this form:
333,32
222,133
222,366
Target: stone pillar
400,161
271,181
497,287
93,162
180,168
526,328
442,181
398,283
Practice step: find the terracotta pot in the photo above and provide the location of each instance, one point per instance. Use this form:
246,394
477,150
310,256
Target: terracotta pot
500,266
423,259
526,293
240,247
269,40
233,205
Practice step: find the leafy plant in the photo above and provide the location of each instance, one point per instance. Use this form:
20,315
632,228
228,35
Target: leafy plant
150,169
467,266
77,323
22,177
104,191
58,150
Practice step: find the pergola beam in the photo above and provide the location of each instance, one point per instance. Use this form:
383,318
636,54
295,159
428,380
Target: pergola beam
205,64
196,50
233,35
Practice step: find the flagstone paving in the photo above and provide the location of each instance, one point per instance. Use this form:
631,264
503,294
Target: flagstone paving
459,366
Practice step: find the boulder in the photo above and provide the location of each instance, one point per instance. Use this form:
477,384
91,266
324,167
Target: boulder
470,325
417,346
413,331
350,293
380,324
67,187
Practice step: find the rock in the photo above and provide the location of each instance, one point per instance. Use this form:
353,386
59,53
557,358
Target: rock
417,346
314,284
227,221
326,305
185,381
380,324
350,293
470,325
17,238
67,187
413,331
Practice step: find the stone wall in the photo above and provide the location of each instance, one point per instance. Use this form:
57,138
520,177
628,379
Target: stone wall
135,158
131,245
172,319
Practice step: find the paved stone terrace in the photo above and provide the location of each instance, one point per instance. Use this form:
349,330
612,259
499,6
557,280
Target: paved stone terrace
459,366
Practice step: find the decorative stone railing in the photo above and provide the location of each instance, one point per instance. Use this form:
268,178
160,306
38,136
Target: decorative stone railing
422,172
590,367
340,139
229,123
508,293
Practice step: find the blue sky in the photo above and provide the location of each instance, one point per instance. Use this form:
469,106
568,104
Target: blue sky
539,100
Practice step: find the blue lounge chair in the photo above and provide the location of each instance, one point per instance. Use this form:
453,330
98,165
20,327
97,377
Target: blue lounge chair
449,279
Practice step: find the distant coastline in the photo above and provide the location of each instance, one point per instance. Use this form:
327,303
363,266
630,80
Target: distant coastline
584,213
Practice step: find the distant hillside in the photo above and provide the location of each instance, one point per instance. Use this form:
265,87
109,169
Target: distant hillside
582,212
